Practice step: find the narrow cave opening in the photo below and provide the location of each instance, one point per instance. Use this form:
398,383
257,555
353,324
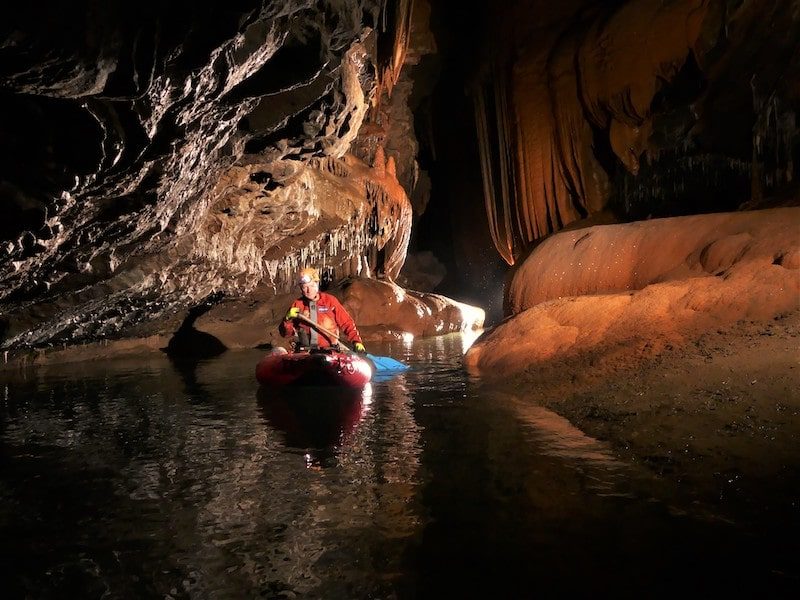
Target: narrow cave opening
453,226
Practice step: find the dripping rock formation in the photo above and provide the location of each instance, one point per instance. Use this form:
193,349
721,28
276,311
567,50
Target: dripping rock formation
645,108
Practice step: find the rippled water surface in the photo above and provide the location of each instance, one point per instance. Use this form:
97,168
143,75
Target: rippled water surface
145,478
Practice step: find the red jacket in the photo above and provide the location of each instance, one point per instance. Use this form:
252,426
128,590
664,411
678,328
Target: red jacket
330,314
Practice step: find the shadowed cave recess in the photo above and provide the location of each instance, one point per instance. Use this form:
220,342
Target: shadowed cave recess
166,166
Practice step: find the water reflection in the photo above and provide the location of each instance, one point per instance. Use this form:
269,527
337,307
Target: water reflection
468,338
553,435
155,479
319,420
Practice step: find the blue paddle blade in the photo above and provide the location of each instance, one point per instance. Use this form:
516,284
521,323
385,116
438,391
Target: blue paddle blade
385,363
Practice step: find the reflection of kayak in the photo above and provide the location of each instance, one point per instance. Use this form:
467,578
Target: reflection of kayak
313,417
318,367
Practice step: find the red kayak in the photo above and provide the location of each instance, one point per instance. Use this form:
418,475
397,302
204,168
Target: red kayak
317,367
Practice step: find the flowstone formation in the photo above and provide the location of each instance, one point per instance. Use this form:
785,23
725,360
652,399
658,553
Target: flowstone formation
650,108
158,154
605,298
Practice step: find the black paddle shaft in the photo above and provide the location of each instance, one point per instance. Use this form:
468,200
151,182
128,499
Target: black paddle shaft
332,337
382,363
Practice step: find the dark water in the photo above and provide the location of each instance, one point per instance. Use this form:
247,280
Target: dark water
144,478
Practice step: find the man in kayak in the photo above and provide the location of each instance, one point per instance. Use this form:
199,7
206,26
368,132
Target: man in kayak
323,309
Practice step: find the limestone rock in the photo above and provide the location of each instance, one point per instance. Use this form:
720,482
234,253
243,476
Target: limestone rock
646,287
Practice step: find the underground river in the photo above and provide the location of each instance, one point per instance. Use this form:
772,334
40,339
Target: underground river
133,478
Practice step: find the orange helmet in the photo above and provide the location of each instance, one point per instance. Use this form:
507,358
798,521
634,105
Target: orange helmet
308,275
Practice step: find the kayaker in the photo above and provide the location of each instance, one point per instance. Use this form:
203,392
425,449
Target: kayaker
322,308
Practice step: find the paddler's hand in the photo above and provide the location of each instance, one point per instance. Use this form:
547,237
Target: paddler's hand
360,348
293,313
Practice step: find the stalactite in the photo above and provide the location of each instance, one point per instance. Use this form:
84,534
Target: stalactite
392,53
332,165
676,184
389,229
498,209
561,91
774,133
193,167
506,160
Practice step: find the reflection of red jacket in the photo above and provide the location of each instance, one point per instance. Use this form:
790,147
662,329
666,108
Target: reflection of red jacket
330,314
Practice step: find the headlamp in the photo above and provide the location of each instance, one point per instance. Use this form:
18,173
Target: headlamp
306,279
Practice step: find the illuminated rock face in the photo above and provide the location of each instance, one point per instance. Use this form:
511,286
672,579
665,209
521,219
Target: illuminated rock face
620,293
382,309
154,155
654,108
385,309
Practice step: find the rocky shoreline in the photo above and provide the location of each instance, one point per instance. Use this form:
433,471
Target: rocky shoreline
717,421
